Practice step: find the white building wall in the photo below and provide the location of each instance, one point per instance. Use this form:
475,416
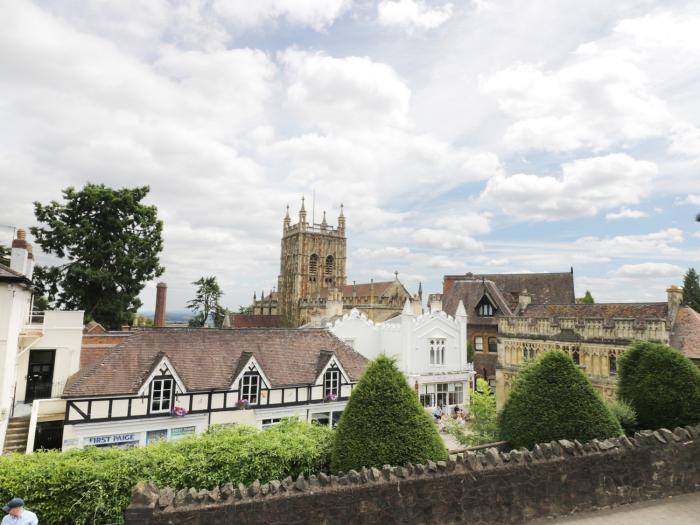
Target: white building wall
15,302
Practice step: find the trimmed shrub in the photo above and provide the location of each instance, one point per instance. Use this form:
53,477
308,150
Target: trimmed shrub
94,485
552,399
384,423
624,413
661,384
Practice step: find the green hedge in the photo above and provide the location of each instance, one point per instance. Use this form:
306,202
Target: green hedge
94,485
661,384
552,399
384,423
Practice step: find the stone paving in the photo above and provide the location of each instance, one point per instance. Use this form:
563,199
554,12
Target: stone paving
678,510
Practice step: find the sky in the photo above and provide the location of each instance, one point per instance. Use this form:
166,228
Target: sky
471,136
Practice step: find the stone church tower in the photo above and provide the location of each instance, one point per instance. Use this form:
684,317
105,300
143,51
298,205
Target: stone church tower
312,266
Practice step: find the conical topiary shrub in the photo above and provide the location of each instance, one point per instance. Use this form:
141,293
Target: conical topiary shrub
661,384
553,399
384,423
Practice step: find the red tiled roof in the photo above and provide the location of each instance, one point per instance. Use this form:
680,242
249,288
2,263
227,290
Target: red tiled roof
206,359
685,335
256,321
636,311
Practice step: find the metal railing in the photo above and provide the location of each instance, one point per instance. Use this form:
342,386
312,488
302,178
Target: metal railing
36,317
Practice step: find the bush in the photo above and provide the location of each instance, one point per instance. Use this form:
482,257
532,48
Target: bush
384,423
94,485
552,399
661,384
624,413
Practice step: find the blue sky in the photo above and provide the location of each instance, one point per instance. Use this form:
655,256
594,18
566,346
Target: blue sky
478,136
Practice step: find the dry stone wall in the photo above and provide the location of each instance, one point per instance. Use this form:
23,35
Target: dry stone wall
492,487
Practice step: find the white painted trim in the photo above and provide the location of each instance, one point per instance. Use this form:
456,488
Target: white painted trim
331,361
266,384
145,389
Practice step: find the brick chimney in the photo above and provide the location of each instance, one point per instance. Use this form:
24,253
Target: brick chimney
19,257
161,294
675,299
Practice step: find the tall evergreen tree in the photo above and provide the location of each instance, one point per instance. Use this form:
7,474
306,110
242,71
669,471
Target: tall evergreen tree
586,299
109,243
691,289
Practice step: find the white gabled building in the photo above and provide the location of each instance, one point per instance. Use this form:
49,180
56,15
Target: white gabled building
38,352
430,349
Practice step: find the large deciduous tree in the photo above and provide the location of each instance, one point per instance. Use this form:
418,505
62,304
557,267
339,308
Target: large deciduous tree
691,289
206,305
5,255
109,243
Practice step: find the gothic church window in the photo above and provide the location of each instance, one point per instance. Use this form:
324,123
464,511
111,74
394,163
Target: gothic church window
330,268
313,267
437,351
612,364
575,356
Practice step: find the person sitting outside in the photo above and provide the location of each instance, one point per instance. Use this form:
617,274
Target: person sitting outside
437,413
17,514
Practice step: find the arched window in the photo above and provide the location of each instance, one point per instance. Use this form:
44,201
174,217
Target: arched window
612,364
330,268
575,356
313,267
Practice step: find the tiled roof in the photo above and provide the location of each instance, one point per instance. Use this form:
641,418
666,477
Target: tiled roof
685,335
470,293
606,311
207,359
8,274
256,321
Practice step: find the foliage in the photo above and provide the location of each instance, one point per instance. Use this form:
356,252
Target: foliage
552,399
110,242
691,289
384,423
484,424
143,320
245,310
5,253
586,299
205,305
624,413
470,352
661,384
94,485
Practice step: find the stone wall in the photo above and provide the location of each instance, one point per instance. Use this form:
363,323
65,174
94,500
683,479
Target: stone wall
493,487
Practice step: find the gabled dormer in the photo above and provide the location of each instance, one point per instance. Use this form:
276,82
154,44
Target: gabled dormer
331,374
249,379
486,307
161,386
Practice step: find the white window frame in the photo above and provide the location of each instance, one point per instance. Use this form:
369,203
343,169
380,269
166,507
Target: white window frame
486,309
331,382
478,343
161,404
437,350
246,388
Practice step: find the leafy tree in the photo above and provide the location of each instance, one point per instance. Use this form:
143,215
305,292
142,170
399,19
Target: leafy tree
206,305
661,384
586,299
5,252
384,423
110,242
691,289
245,310
484,426
552,399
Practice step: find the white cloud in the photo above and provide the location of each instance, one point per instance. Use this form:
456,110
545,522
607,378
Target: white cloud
388,252
317,14
631,245
693,200
626,213
445,240
412,14
585,187
649,270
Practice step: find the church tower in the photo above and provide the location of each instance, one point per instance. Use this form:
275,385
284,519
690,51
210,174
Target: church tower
312,264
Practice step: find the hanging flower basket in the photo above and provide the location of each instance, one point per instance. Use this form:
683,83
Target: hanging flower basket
178,411
331,397
242,404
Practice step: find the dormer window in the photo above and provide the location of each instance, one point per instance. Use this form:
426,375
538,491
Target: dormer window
437,351
250,387
162,391
485,308
331,382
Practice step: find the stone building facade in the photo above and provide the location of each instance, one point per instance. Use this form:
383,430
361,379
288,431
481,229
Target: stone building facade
312,282
594,335
489,297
